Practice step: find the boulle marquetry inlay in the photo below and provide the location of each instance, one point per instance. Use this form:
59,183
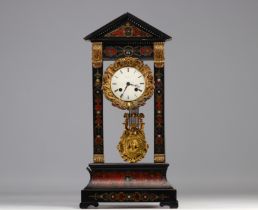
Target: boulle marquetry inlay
128,83
128,30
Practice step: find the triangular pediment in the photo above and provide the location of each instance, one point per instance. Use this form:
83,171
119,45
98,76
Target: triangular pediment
128,30
128,27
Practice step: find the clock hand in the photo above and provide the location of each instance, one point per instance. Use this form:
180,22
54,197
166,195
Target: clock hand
127,84
137,86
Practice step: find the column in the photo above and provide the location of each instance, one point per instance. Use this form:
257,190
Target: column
159,124
97,72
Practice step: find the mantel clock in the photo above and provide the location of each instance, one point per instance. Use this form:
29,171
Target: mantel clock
128,83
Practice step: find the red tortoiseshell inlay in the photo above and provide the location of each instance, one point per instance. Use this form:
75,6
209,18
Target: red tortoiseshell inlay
128,30
116,179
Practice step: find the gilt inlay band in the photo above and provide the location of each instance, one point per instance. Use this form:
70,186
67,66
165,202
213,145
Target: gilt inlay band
98,158
159,158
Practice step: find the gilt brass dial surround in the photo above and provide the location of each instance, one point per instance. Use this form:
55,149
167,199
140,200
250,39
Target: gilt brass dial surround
143,69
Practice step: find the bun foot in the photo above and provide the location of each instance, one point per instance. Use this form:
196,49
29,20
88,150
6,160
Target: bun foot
172,204
85,205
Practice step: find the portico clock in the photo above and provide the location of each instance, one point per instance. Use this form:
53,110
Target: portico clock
128,83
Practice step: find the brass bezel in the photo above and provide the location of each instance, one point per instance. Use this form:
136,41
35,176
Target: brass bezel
128,62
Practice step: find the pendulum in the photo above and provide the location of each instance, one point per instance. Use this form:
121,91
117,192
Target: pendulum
132,145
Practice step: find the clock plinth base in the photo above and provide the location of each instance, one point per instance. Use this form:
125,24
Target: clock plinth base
120,182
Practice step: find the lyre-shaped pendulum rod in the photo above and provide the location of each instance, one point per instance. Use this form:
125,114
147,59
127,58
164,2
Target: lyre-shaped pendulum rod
132,145
133,120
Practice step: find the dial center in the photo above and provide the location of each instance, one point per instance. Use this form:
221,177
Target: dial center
128,83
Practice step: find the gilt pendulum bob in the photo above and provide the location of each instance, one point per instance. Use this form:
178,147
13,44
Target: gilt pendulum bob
133,145
128,83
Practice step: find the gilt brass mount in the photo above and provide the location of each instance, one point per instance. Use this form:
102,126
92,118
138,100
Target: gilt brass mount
97,54
132,145
159,54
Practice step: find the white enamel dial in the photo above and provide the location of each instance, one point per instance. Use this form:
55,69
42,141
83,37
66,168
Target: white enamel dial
128,84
